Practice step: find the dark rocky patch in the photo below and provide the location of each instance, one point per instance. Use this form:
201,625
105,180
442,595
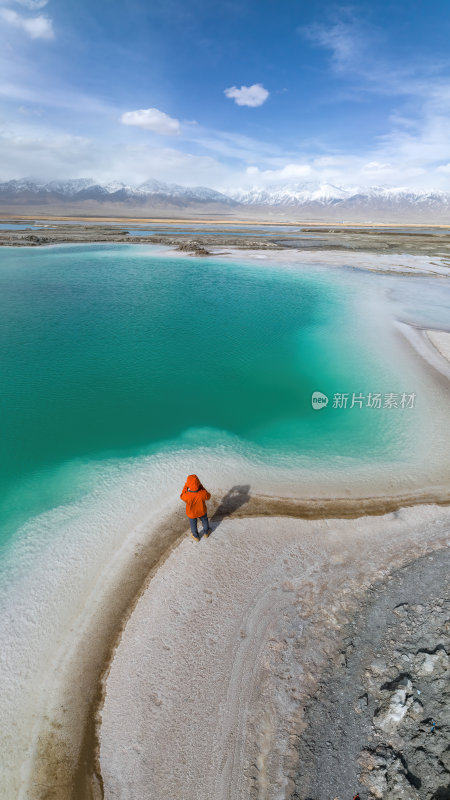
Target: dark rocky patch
380,722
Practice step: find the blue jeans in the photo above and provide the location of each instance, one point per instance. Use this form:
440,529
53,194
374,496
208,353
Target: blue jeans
193,524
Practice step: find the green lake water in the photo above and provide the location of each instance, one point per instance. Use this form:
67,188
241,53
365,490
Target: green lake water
115,351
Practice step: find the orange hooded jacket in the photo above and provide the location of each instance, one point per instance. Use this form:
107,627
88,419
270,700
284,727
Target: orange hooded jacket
195,497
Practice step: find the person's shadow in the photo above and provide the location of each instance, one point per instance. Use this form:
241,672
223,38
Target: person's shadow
234,499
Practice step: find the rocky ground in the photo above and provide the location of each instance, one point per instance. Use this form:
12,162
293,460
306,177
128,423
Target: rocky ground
380,719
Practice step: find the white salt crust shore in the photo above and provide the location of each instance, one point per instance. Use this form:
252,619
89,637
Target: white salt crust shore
438,355
54,654
408,264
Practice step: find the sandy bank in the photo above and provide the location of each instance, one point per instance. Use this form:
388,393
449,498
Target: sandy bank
206,692
441,341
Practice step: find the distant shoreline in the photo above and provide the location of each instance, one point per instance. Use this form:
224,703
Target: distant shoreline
221,221
220,237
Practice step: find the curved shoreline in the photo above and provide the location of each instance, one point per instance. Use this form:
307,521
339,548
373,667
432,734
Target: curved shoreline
80,778
74,770
432,345
86,781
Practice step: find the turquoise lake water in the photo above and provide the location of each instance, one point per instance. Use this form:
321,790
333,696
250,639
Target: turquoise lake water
116,350
16,227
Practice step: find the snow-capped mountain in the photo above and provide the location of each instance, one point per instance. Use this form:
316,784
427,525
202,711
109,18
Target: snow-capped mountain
83,189
67,188
328,202
328,194
292,194
307,201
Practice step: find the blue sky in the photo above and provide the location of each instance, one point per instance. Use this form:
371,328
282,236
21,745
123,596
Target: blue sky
226,94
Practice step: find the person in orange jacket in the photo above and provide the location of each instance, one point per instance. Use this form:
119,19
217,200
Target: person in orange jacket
195,497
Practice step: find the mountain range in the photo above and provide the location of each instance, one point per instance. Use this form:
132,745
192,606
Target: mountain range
307,201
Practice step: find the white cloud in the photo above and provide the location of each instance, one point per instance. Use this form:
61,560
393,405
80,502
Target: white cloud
377,167
358,54
33,5
152,120
39,27
290,172
344,39
252,96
